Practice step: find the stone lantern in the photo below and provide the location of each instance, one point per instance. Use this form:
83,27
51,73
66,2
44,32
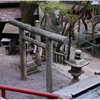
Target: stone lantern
76,66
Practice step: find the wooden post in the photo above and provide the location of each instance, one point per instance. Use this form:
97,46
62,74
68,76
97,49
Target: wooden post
38,38
49,61
22,54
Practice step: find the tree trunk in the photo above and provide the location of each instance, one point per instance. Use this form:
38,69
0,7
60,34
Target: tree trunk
93,28
28,8
85,24
64,28
69,45
71,25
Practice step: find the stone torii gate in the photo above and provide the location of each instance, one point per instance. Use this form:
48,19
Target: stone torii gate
49,48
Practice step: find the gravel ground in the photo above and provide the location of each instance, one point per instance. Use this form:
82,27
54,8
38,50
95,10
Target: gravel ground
10,76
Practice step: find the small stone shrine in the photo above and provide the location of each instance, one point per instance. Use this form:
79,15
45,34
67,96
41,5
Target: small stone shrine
76,66
30,63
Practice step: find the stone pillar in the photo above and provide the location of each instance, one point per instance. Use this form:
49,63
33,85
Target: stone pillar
38,49
49,61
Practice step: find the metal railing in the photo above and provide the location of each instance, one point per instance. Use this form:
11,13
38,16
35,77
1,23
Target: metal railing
43,94
89,46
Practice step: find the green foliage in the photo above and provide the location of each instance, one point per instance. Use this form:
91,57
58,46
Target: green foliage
46,7
50,6
31,1
90,7
62,7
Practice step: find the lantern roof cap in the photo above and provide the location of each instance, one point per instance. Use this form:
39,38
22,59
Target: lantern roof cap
77,63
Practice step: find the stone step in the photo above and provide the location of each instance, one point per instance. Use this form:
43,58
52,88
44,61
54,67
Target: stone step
31,63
